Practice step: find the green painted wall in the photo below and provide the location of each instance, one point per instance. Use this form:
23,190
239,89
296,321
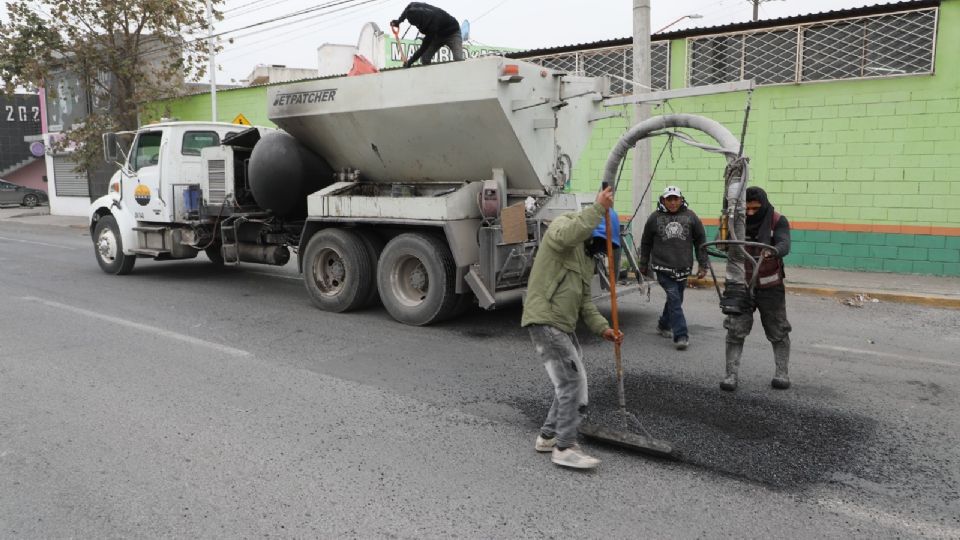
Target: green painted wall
877,153
881,153
250,102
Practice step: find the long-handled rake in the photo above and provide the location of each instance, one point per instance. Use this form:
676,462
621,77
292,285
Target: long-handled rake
626,436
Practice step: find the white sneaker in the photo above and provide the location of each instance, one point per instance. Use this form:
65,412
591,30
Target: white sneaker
544,445
665,332
574,458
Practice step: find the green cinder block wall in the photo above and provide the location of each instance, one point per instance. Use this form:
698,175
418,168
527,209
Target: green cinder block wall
855,165
867,171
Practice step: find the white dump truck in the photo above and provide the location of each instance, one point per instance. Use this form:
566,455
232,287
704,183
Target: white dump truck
426,188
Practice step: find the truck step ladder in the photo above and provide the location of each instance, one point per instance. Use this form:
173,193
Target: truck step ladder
228,239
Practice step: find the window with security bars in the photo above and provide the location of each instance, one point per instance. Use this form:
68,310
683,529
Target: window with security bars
716,59
874,46
616,62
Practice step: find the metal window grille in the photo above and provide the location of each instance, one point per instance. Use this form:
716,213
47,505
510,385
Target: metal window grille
874,46
770,57
716,59
616,62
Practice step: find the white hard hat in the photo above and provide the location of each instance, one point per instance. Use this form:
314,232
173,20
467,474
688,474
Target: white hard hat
671,191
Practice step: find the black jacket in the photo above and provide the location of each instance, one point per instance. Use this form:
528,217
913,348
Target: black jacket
669,240
431,21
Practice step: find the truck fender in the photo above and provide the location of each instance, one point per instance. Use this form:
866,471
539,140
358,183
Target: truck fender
309,229
111,205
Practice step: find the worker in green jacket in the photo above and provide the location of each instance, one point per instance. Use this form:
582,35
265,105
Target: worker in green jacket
558,294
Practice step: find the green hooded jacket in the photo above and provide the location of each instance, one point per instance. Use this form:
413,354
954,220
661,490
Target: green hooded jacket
558,291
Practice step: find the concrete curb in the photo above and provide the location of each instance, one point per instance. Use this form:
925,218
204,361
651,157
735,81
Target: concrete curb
932,300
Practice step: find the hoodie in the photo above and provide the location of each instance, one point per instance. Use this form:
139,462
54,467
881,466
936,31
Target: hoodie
669,241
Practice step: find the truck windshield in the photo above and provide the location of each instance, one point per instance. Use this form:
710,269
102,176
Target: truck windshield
148,150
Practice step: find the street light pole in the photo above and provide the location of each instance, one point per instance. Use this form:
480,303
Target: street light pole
690,16
213,61
641,112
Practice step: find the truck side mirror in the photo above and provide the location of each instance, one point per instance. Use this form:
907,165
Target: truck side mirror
110,148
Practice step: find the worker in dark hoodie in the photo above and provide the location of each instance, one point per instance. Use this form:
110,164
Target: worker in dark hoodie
438,27
670,237
766,226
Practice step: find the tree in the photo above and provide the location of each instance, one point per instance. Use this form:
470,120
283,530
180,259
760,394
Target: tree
121,53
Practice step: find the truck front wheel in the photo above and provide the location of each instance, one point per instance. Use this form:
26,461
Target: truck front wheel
416,277
108,248
337,270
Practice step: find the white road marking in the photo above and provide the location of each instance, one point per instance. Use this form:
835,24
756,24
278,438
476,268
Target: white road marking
892,521
33,242
887,355
296,278
141,327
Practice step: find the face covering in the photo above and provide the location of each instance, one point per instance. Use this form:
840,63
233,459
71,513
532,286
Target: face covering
760,224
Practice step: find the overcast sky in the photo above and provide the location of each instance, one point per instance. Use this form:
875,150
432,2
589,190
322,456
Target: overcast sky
521,24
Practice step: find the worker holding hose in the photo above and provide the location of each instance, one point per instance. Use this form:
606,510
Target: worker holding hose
558,295
438,27
766,226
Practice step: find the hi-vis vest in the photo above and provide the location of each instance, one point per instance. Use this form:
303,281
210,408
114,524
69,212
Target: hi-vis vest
771,270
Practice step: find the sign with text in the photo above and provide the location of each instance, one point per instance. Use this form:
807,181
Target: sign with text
395,59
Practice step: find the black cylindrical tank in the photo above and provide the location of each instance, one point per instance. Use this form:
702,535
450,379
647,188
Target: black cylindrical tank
283,172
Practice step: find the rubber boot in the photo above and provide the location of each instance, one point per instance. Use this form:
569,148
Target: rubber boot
781,356
733,365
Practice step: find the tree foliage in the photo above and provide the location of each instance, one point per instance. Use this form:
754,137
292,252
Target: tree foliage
122,53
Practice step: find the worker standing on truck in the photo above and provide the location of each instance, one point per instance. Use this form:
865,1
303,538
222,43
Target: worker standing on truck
558,295
766,226
438,27
670,237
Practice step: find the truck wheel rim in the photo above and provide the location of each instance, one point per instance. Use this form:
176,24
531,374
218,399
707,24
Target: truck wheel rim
329,272
410,281
107,245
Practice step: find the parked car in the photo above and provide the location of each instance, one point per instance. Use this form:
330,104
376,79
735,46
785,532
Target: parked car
14,194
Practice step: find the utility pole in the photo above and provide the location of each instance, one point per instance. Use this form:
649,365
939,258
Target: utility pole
641,112
756,7
213,61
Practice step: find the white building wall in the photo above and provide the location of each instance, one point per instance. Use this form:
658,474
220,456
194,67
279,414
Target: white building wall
61,206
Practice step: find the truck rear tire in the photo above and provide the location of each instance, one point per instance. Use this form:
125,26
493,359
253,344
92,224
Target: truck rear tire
337,270
374,245
416,277
108,248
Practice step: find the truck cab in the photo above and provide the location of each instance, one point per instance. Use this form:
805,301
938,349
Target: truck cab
152,207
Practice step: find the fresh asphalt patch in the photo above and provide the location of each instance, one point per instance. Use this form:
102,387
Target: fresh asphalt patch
757,438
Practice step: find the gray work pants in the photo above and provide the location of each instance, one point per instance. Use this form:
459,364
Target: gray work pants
430,48
563,358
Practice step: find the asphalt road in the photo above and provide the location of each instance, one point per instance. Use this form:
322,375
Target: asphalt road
189,401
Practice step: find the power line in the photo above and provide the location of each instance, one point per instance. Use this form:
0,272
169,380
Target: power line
241,6
304,19
286,37
268,21
485,13
252,9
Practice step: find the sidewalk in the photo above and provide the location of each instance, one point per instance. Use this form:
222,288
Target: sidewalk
39,216
857,288
847,286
